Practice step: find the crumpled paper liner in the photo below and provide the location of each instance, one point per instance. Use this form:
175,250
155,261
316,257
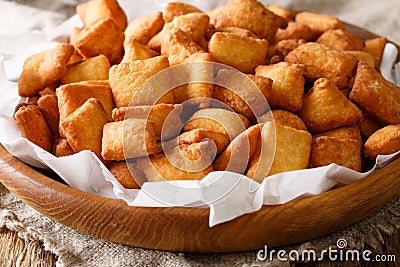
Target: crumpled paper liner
228,195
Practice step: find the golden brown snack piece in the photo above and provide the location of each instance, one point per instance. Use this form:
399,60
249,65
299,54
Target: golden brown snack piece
364,56
123,175
349,132
48,105
220,140
322,61
72,96
368,125
233,158
234,99
342,40
233,30
33,126
292,151
244,14
284,118
136,51
294,30
195,25
344,152
130,138
62,148
281,11
319,23
97,9
326,108
144,28
287,87
83,128
102,37
278,51
218,120
75,58
43,69
385,141
240,52
178,46
127,78
375,47
174,9
375,95
95,68
158,114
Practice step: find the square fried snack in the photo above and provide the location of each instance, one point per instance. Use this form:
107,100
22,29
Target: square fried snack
130,138
319,23
294,30
385,141
284,118
136,51
123,174
95,68
244,14
97,9
326,108
144,28
127,78
83,128
174,9
322,61
102,37
33,126
287,87
61,148
342,40
375,95
43,69
292,151
220,140
48,105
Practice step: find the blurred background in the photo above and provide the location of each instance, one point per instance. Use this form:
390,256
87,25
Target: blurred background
380,17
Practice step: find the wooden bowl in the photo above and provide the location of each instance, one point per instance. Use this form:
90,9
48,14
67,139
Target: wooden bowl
186,229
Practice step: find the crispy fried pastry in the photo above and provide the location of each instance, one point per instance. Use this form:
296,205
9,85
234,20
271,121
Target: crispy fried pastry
284,118
375,95
221,140
319,23
144,28
62,148
33,126
326,108
174,9
43,69
383,142
95,68
48,105
375,47
281,11
294,30
136,51
342,40
123,174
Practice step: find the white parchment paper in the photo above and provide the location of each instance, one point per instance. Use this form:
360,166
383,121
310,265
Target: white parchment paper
84,171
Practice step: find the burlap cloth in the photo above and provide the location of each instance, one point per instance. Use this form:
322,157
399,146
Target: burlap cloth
76,249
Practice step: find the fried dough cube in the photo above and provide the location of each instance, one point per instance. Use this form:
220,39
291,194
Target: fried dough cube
72,96
368,125
233,158
166,118
347,132
75,58
233,30
218,120
48,105
126,80
62,148
243,100
284,118
185,162
326,108
294,30
130,138
292,151
43,69
287,87
344,152
220,140
195,25
342,40
322,61
281,11
375,47
123,174
136,51
242,53
83,128
102,37
174,9
178,46
319,23
244,14
97,9
33,126
385,141
278,51
95,68
364,56
144,28
375,95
